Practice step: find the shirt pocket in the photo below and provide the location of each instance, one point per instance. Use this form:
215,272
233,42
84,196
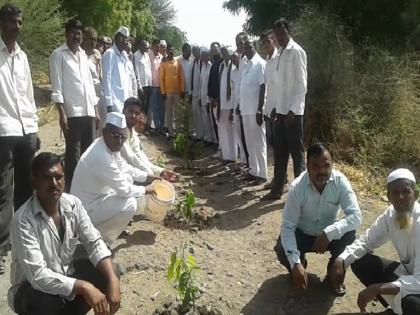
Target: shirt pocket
68,249
330,211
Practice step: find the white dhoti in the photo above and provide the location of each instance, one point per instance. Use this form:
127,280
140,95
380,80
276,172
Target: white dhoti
112,214
256,144
237,139
226,136
208,130
197,118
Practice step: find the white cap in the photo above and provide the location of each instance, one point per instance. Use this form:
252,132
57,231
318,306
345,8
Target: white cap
116,119
401,173
162,42
123,30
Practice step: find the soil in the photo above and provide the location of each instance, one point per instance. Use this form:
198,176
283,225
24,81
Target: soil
239,273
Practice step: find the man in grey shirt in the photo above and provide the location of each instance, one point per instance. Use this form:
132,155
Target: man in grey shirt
45,277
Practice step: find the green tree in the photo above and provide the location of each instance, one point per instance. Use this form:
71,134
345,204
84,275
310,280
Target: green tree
174,36
163,12
42,31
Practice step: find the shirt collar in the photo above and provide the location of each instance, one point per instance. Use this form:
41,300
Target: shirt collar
309,182
65,206
3,46
290,44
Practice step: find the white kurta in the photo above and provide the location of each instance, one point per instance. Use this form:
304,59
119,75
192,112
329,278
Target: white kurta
208,130
235,79
197,118
105,184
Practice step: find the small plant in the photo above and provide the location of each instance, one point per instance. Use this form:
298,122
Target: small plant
182,143
185,206
181,271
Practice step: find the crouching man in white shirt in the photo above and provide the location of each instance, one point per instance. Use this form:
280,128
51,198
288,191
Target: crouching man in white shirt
396,284
132,151
105,182
46,277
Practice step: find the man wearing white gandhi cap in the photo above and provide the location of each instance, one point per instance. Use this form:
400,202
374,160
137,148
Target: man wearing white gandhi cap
105,182
394,283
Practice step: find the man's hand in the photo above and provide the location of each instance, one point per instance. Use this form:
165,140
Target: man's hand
63,122
367,295
214,103
259,118
151,177
93,296
299,276
321,243
273,114
337,273
290,119
113,295
164,97
231,116
169,176
150,190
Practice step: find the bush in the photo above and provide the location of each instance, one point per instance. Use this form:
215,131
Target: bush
363,101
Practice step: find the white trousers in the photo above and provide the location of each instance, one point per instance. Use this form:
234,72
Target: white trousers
226,136
197,118
208,130
112,214
256,144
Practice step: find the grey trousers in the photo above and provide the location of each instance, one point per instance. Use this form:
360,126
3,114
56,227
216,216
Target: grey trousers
78,138
288,140
16,154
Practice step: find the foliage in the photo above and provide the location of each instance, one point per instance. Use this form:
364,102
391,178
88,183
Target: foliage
163,12
182,143
42,31
174,36
181,271
390,23
185,206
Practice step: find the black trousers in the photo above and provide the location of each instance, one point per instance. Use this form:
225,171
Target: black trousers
371,269
16,154
29,301
269,129
287,140
78,138
146,98
243,140
305,244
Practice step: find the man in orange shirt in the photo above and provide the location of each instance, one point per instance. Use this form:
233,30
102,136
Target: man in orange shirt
171,86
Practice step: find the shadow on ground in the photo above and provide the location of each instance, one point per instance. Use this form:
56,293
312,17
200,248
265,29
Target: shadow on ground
137,238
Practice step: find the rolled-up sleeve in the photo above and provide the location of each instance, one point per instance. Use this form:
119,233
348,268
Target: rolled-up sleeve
351,209
89,236
25,245
297,96
288,228
56,77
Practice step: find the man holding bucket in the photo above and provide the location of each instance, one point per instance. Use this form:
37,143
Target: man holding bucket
105,182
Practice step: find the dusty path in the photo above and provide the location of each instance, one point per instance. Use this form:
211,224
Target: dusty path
240,273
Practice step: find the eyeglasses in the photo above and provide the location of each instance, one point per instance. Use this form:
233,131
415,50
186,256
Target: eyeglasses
119,136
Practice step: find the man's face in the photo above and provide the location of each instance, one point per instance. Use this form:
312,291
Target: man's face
132,114
162,49
143,47
215,50
249,50
402,195
121,41
115,137
240,41
90,40
155,48
141,123
282,35
12,26
170,52
235,59
320,168
186,52
205,57
74,37
196,52
225,55
49,183
268,44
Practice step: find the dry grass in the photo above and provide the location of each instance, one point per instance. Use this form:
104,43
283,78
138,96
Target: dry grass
47,114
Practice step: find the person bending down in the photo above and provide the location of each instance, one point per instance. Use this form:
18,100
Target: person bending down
394,283
46,278
310,221
105,182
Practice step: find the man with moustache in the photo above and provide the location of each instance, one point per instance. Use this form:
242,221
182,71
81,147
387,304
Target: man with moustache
74,93
18,124
143,69
394,283
310,218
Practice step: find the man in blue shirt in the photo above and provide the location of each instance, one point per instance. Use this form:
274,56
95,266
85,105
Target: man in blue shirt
310,221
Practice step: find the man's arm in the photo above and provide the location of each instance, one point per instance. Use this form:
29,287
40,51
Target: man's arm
300,84
107,61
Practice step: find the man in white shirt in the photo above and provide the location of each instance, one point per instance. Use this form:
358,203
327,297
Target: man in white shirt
157,108
143,69
252,96
209,135
195,94
290,106
225,125
74,93
105,182
18,124
310,219
132,151
47,277
116,72
162,49
394,283
186,64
